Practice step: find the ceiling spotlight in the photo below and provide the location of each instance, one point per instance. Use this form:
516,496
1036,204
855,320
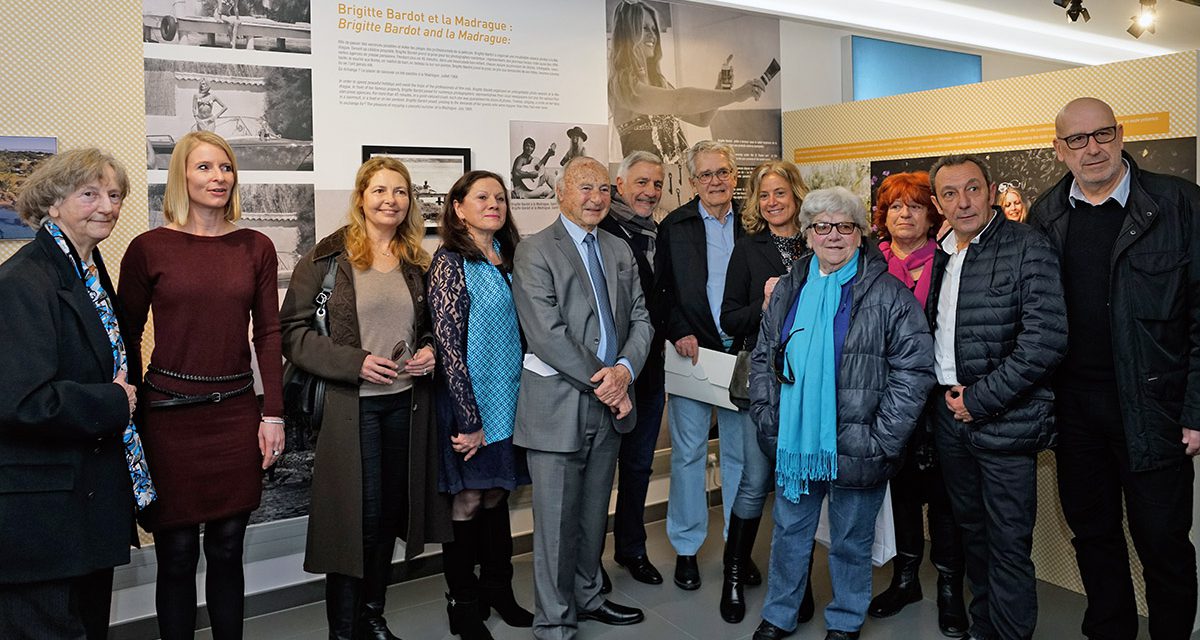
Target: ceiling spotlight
1146,18
1074,9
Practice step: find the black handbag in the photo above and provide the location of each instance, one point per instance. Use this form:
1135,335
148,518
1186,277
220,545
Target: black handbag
304,391
739,382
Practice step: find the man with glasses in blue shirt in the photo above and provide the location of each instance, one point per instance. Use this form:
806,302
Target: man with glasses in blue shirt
1128,391
693,249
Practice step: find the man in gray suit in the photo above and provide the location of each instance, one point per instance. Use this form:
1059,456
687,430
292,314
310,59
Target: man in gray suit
580,304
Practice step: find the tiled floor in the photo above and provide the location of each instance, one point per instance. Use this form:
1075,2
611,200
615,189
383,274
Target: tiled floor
417,611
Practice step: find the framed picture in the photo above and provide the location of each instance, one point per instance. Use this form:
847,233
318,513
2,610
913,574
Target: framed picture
433,170
19,156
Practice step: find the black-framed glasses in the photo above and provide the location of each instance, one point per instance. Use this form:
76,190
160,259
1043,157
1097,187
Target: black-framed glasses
1080,140
783,372
824,228
720,174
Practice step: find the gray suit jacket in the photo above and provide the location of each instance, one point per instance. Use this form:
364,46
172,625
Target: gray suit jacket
557,310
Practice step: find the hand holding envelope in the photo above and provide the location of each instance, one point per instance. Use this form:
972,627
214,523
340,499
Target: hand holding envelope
706,381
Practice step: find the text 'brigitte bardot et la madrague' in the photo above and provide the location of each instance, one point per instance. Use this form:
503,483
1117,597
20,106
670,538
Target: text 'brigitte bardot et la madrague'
368,19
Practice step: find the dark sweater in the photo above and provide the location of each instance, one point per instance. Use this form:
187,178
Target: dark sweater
1091,233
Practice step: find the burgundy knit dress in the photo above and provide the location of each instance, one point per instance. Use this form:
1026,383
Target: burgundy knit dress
204,292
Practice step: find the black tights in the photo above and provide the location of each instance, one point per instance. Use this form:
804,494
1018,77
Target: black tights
178,552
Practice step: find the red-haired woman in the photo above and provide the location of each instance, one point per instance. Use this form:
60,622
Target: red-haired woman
907,222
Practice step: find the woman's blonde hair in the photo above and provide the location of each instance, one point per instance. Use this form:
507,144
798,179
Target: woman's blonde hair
752,220
406,244
176,203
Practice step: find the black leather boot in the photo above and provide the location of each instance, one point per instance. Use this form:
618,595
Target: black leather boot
495,567
465,621
342,597
904,590
377,574
952,613
458,565
737,565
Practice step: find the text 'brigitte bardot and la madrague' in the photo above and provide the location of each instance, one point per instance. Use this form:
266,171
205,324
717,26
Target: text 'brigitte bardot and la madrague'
360,18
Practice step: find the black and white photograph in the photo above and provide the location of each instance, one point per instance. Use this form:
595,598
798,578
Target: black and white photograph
433,171
540,150
267,25
285,213
265,113
19,156
679,73
1032,172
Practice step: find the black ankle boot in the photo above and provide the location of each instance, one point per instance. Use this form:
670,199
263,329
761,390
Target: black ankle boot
465,621
343,595
495,567
952,613
377,574
904,590
737,565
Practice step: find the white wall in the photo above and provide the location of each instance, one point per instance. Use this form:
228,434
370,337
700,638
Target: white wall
814,59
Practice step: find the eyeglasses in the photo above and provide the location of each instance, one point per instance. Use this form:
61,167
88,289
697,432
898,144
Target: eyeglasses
1016,184
823,228
720,174
1102,136
783,372
400,352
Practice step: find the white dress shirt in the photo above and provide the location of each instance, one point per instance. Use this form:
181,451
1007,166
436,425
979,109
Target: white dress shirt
945,363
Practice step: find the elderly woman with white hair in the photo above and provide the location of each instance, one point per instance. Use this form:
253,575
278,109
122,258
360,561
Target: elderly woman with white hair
837,381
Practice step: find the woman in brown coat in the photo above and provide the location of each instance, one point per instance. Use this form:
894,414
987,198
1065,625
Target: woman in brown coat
375,475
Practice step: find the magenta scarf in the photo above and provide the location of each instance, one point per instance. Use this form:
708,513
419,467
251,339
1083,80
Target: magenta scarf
901,268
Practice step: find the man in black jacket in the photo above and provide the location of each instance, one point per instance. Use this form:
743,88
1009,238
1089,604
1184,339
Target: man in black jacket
997,312
1128,392
692,254
631,218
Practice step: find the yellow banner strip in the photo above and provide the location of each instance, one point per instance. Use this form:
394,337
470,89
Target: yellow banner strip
1143,124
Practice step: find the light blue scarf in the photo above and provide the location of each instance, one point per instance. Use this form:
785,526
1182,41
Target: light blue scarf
135,458
807,447
494,352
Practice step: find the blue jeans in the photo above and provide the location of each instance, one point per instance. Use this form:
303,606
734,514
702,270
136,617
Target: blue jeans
687,510
852,515
633,476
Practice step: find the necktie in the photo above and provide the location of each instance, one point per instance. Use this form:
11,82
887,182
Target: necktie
600,285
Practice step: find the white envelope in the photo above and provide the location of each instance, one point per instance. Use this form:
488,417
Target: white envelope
536,365
706,381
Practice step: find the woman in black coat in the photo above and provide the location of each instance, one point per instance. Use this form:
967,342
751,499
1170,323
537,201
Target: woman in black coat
71,468
772,241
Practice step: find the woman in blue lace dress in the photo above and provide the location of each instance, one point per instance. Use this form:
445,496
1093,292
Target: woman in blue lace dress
475,324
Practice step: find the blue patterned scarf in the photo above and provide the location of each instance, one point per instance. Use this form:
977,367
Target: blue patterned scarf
139,470
494,351
807,447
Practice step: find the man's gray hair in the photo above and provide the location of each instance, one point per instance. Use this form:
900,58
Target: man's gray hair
832,200
637,157
709,146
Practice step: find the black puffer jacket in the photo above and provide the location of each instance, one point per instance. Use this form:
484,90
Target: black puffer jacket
1011,333
884,376
1154,302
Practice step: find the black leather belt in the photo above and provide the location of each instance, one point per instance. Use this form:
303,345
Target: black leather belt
182,399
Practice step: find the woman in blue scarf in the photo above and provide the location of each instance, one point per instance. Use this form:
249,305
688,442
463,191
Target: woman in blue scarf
837,381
